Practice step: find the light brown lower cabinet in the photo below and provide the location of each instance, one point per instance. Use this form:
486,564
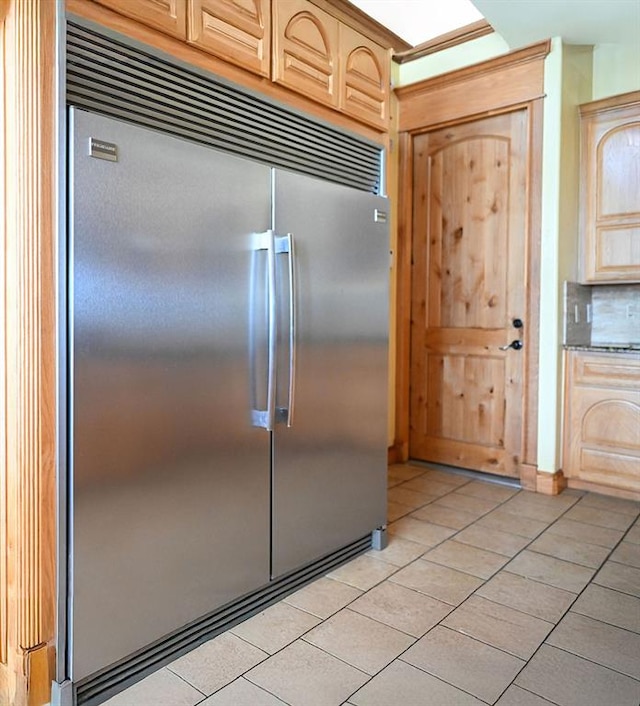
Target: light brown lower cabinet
602,421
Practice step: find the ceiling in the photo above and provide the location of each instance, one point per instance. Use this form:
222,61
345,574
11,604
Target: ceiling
417,21
519,22
522,22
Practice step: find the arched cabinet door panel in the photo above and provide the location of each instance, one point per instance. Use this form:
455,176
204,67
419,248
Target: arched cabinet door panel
305,52
168,16
612,422
610,189
238,31
364,81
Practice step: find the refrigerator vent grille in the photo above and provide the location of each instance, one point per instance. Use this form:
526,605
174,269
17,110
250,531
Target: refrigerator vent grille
125,81
100,686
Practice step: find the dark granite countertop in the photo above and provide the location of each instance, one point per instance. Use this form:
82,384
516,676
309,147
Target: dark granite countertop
605,348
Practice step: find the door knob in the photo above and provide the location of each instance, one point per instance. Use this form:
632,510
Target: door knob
516,345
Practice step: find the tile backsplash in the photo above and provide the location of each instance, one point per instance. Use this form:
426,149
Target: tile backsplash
601,314
616,314
577,314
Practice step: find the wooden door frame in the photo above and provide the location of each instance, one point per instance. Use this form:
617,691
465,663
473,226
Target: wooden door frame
508,83
28,107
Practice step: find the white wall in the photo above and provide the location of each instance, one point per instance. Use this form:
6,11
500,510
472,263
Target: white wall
467,54
616,69
567,83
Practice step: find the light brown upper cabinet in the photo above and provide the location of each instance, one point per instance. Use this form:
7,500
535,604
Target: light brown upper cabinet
169,16
610,189
364,78
238,31
305,50
323,52
323,58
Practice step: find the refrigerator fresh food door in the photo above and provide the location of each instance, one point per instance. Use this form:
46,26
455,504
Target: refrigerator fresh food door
329,475
170,479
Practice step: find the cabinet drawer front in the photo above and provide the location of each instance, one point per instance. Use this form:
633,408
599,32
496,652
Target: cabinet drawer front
606,370
610,468
617,252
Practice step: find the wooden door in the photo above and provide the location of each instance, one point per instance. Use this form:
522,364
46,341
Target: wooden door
468,287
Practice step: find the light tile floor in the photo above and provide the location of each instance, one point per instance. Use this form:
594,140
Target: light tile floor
485,595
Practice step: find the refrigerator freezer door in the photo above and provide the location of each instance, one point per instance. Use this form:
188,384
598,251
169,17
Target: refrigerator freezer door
170,499
329,477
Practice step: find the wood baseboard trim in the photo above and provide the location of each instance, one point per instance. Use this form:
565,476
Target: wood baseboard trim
4,684
540,482
603,489
40,670
550,483
528,477
397,454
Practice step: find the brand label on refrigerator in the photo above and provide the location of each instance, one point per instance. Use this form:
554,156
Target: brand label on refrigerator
103,150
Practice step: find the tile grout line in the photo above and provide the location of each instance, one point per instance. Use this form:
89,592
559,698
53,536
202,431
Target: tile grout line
555,625
453,607
175,674
531,540
242,676
439,624
587,659
370,677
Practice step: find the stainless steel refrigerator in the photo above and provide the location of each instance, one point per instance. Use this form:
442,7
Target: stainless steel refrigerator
228,376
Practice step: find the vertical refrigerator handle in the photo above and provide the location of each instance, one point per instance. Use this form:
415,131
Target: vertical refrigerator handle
284,245
292,328
266,418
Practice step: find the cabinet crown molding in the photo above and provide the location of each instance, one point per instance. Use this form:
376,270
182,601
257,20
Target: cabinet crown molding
520,56
469,32
623,100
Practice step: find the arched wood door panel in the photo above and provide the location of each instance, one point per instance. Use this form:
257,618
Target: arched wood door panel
468,288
